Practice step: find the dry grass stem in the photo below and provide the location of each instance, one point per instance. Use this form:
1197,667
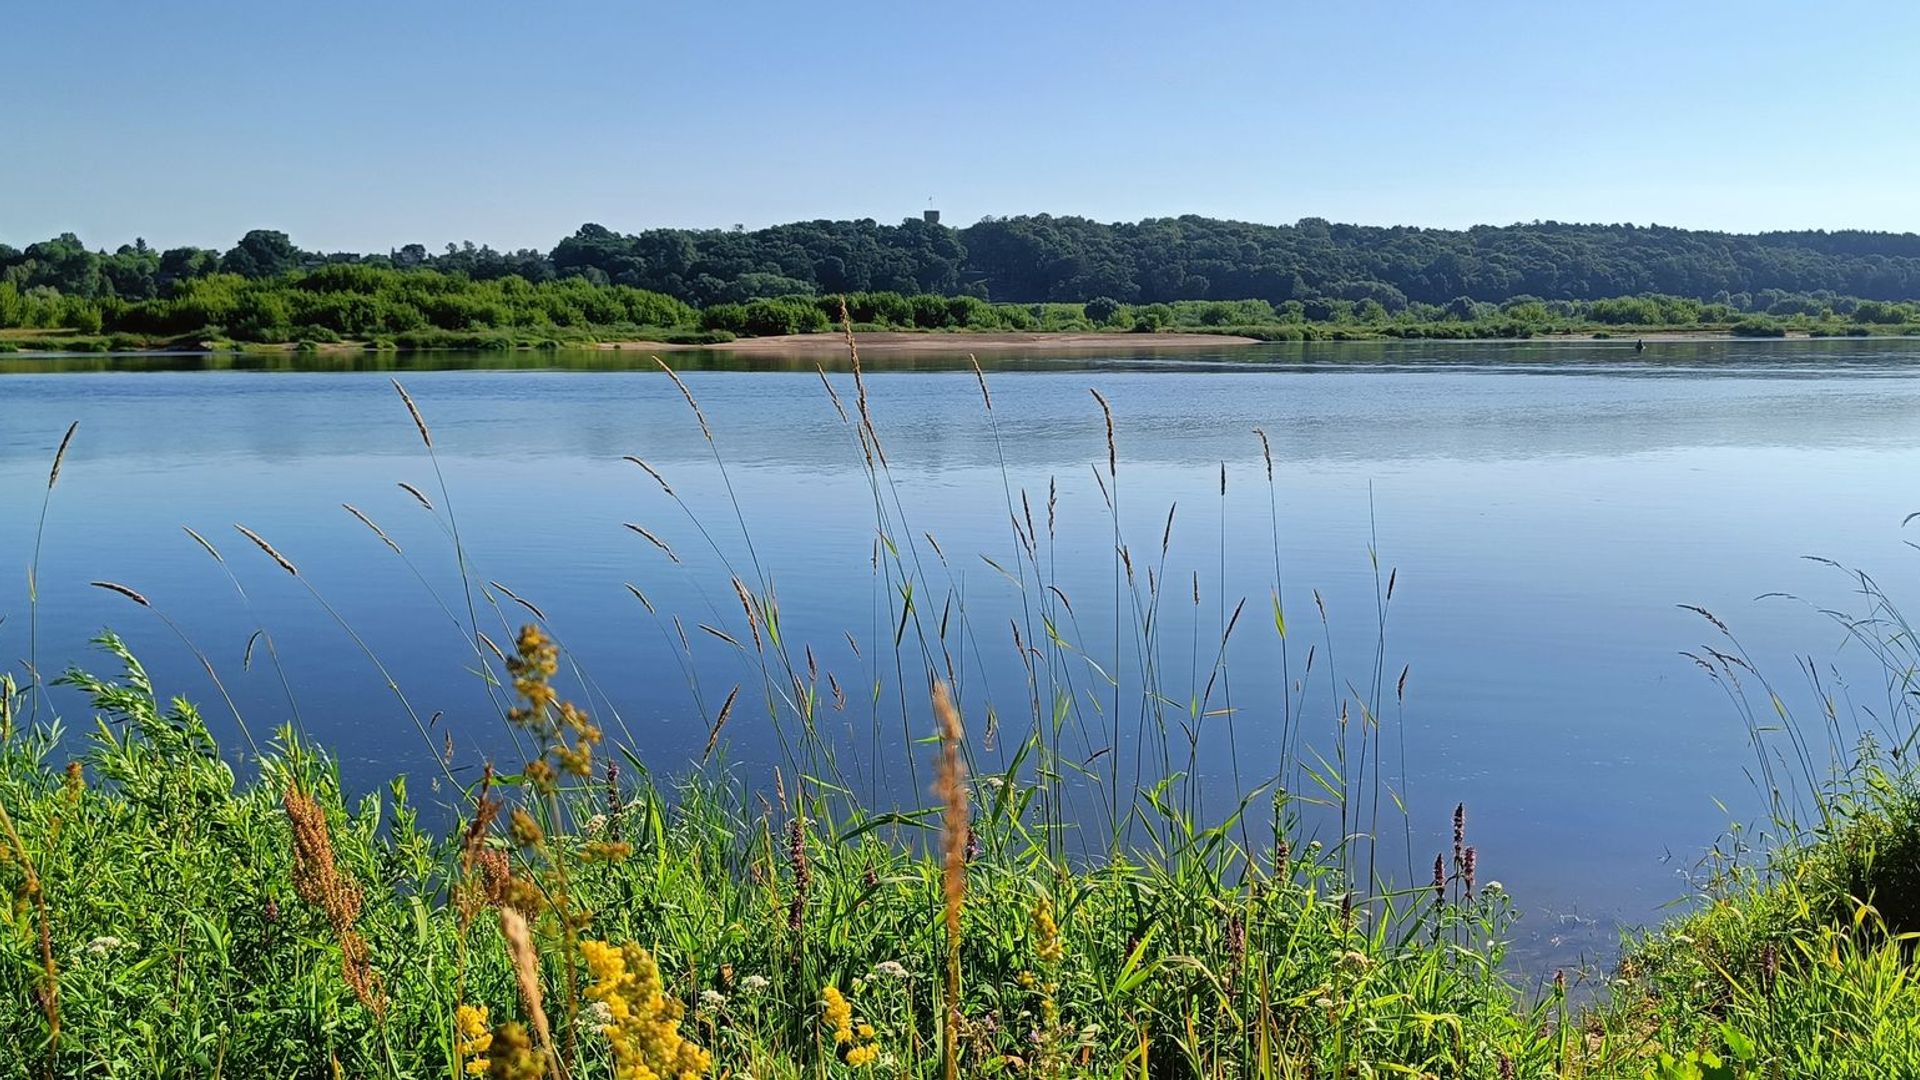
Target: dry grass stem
368,522
115,587
713,736
268,548
418,495
651,471
652,539
60,455
414,411
688,394
526,972
950,787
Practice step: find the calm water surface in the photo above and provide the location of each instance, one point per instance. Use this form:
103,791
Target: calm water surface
1545,507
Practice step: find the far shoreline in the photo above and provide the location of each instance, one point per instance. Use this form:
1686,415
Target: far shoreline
964,342
895,342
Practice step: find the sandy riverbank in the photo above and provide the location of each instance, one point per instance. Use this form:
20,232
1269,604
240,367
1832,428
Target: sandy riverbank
896,342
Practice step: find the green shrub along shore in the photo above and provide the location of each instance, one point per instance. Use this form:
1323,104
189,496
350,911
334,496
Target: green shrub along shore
382,309
571,912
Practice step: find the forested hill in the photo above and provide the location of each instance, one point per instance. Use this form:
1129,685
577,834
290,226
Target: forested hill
1046,258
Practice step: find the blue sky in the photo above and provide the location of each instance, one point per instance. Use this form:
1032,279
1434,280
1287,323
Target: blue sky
364,126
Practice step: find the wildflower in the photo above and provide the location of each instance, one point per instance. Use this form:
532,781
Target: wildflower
549,720
1046,932
1459,833
606,851
1236,939
104,944
613,801
319,882
1356,960
892,969
470,1024
1493,887
501,888
526,832
802,874
1471,862
854,1039
595,824
712,999
753,984
1439,880
837,1014
645,1026
513,1057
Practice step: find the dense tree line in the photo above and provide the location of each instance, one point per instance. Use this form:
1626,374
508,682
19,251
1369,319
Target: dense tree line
1036,259
348,302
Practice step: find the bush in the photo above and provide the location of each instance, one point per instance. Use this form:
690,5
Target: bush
731,318
1759,328
1100,309
769,318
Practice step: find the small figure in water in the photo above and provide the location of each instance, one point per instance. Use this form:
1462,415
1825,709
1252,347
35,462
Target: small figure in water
1639,345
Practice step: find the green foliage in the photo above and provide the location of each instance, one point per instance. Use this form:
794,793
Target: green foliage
1101,309
793,315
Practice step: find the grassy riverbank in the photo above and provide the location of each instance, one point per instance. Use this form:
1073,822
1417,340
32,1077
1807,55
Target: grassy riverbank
574,909
173,921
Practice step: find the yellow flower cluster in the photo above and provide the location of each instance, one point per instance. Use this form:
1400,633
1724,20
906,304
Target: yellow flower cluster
1049,950
855,1041
1046,934
550,720
645,1027
470,1023
513,1055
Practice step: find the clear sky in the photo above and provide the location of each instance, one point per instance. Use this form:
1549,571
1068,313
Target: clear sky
363,126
